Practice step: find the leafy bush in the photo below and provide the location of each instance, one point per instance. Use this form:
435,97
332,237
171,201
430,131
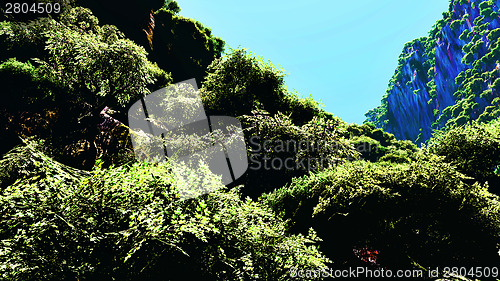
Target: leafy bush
182,46
280,150
420,214
23,40
75,69
179,45
86,60
474,149
25,85
369,148
409,206
126,223
82,57
241,82
376,145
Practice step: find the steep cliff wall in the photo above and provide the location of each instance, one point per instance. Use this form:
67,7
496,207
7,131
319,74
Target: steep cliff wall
448,78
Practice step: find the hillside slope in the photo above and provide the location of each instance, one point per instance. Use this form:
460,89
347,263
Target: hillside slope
447,78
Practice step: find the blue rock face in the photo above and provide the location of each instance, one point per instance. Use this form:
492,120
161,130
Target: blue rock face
424,85
408,95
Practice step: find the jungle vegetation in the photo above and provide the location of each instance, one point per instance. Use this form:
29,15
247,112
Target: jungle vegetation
75,204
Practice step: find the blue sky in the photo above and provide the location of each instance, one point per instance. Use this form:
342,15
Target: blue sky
340,52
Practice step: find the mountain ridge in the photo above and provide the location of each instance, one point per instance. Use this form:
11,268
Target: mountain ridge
436,84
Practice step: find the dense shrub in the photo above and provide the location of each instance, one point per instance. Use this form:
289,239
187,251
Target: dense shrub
280,150
26,86
421,214
406,207
241,82
183,46
474,149
376,145
98,61
127,223
73,68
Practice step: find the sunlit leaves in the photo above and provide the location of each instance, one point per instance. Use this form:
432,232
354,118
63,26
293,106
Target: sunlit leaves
421,212
128,223
474,149
241,82
87,61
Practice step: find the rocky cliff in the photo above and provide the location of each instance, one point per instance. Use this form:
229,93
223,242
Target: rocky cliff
449,77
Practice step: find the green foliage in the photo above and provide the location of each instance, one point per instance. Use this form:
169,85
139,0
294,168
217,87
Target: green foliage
280,150
369,148
73,67
30,162
86,59
241,82
494,34
474,149
397,156
490,112
455,24
477,83
295,202
183,46
417,214
468,58
25,85
29,94
377,115
377,145
173,6
464,35
380,115
126,223
81,18
179,45
97,62
302,110
23,40
485,4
